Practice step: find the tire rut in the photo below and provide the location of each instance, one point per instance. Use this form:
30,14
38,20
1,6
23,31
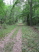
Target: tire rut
6,40
18,42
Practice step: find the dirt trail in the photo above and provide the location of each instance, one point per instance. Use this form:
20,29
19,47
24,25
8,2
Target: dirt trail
18,42
6,40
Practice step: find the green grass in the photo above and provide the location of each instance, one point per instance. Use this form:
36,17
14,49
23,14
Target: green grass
3,32
37,27
9,46
30,40
15,33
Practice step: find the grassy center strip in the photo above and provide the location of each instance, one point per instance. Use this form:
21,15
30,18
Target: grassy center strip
15,33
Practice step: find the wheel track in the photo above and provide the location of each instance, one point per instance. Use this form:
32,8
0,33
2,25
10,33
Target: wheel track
6,40
18,42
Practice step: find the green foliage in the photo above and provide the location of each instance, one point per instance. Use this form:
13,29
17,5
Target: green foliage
10,14
4,32
35,12
30,40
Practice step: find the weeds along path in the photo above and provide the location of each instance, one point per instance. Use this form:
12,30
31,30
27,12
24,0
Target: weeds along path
35,29
6,40
18,42
30,40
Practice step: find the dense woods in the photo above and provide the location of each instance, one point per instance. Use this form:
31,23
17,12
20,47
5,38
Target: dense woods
30,12
27,10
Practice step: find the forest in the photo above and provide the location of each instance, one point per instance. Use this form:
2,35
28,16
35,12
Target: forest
19,26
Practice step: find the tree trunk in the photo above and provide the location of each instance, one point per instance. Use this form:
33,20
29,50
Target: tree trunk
31,13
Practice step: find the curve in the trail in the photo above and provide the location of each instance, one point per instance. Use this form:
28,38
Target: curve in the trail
18,42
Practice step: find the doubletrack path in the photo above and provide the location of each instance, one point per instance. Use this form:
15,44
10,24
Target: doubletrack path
17,47
18,42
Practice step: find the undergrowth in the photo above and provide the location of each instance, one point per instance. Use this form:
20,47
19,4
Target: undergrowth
30,40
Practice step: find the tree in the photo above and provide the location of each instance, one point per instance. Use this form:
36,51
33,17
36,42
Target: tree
30,2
